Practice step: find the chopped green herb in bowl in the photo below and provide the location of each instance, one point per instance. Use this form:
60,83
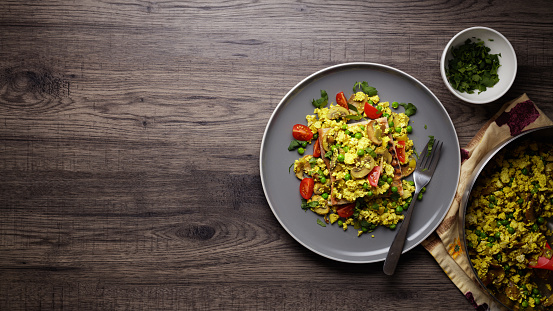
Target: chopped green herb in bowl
478,65
473,67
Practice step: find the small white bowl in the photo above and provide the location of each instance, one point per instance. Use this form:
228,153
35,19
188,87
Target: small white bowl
497,43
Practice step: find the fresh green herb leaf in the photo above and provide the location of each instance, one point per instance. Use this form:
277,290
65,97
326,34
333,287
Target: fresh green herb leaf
365,88
425,127
294,144
313,161
354,117
321,102
352,107
328,154
289,167
321,223
305,206
410,109
472,67
430,144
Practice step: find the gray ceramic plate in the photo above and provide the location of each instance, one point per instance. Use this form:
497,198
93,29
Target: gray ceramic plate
282,188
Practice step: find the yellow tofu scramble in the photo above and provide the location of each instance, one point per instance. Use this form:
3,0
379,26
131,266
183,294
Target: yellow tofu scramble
358,176
506,224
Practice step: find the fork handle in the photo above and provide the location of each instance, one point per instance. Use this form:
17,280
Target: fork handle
396,249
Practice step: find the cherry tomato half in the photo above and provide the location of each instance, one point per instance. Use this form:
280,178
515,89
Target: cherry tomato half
341,100
346,210
302,132
306,187
400,151
374,175
316,149
371,111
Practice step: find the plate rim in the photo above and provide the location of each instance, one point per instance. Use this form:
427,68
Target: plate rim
312,76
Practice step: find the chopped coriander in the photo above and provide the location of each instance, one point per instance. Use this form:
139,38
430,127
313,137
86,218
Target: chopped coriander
294,144
321,102
472,67
410,109
321,223
430,144
365,88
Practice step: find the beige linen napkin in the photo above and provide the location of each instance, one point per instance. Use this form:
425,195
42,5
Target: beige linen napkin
444,244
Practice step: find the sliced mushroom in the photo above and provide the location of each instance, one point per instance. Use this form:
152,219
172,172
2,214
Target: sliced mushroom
365,168
318,188
337,112
301,167
374,132
321,209
406,170
327,140
387,156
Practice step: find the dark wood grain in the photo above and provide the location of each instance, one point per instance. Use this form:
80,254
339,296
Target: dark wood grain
130,135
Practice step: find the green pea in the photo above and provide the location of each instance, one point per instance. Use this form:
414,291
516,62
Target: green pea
492,198
323,180
412,183
541,220
324,195
491,239
490,245
537,301
344,127
360,152
347,132
340,158
477,232
393,226
381,182
365,229
346,149
366,186
395,105
389,180
386,115
535,227
419,197
391,123
333,148
340,223
320,172
362,127
358,135
524,304
520,201
394,189
409,129
511,230
491,205
506,268
525,171
497,235
535,291
405,206
370,193
303,144
398,129
347,176
316,135
399,210
301,150
423,190
504,222
498,257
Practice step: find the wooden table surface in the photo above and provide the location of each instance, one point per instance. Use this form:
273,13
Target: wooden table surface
130,134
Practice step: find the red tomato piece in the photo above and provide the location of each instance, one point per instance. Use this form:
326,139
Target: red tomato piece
374,175
302,132
316,149
346,210
341,100
371,111
400,151
306,187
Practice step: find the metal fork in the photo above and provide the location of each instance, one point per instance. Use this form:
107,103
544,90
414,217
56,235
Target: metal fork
423,173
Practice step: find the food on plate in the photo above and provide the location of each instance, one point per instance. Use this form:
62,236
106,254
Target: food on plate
472,67
506,219
361,154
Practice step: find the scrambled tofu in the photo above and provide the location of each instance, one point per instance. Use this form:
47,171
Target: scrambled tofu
506,220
